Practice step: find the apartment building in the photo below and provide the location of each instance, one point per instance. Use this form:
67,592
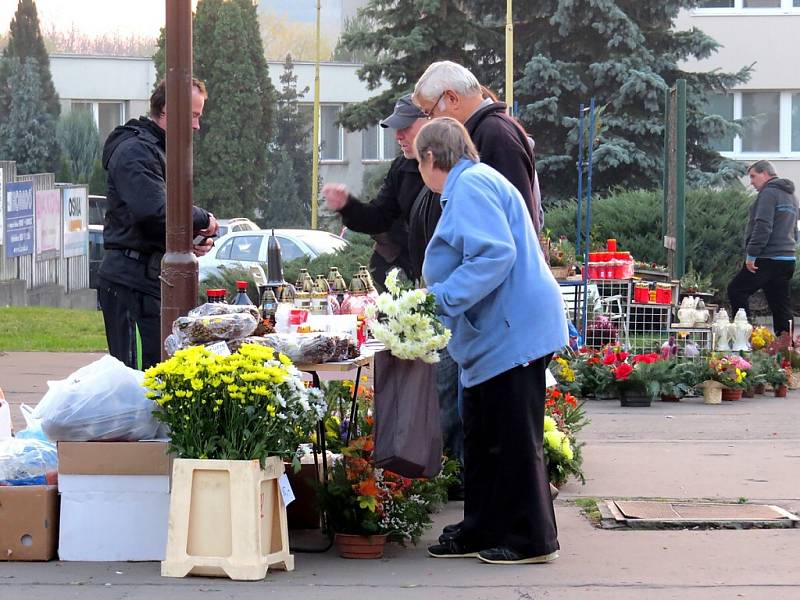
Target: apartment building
763,33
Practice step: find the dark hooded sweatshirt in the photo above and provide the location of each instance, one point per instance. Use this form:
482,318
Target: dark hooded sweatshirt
503,145
772,227
136,219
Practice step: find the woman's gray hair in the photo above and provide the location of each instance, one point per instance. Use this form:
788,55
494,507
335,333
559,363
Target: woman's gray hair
447,141
446,75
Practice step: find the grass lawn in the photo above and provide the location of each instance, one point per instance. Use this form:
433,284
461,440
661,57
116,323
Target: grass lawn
45,329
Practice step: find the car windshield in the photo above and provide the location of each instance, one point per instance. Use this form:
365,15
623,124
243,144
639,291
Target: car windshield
321,242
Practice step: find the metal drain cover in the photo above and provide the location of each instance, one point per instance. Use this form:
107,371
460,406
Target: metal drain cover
645,514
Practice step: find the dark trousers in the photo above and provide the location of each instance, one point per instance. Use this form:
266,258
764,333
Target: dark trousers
772,276
124,309
447,388
506,490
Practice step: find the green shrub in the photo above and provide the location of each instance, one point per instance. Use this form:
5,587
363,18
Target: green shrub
715,222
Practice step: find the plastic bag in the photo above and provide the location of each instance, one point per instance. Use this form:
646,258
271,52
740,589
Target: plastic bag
28,462
33,427
220,308
202,329
103,401
305,348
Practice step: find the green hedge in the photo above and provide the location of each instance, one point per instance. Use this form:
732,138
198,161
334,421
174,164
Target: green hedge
715,222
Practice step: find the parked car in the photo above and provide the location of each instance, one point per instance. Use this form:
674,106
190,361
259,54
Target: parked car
95,253
243,248
238,224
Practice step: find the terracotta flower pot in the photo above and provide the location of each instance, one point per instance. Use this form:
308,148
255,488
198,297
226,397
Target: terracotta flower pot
759,388
748,393
360,546
669,398
781,390
730,394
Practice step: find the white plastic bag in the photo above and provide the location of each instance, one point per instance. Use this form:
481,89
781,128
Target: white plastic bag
33,427
103,401
28,462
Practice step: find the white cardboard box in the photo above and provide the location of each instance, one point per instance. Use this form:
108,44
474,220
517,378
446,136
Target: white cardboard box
121,514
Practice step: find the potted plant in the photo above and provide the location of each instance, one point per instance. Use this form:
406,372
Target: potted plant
366,506
600,332
760,363
592,376
562,257
694,283
233,420
635,378
731,371
777,377
675,378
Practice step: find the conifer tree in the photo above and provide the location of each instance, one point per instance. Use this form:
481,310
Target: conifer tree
80,146
28,131
230,148
25,44
289,158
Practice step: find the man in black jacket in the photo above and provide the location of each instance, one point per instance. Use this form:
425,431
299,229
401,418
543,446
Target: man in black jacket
770,240
134,235
447,89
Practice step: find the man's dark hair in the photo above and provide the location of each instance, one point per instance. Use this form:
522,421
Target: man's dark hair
763,166
159,97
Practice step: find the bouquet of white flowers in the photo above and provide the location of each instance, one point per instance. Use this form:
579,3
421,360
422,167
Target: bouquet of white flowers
406,322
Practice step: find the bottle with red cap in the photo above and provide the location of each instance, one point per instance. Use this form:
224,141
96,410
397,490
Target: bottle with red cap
215,295
241,294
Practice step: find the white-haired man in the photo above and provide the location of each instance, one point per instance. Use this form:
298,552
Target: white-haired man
447,89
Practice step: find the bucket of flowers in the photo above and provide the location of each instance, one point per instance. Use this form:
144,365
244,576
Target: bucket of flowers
636,378
232,420
731,371
564,418
366,506
592,376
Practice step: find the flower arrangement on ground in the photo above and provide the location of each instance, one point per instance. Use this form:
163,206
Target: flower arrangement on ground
760,338
775,375
636,375
730,370
564,418
591,374
248,405
362,499
561,368
405,321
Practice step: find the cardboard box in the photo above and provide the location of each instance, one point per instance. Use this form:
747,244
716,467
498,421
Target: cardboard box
28,522
114,500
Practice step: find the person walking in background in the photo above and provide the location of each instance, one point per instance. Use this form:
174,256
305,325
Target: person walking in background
484,266
447,89
135,230
770,241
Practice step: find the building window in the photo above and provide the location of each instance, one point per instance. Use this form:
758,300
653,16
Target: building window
770,123
378,143
107,115
722,105
331,135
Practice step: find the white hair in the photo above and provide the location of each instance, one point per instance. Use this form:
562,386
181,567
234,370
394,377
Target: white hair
446,75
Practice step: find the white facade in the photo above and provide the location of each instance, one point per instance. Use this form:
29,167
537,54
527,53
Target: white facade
763,33
116,89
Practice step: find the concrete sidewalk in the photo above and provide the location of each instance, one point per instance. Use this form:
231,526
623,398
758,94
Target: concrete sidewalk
687,450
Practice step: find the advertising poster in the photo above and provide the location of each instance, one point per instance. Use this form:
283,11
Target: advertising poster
18,218
76,222
48,223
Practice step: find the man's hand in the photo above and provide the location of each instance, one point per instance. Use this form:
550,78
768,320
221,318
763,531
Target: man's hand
211,229
204,248
335,196
751,265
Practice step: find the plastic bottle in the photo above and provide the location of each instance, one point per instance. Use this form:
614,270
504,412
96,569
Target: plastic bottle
215,296
241,294
5,418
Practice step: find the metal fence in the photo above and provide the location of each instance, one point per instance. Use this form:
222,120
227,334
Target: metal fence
70,273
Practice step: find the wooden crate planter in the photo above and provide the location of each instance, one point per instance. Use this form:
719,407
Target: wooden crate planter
227,518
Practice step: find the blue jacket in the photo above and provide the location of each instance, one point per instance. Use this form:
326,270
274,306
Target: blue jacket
485,267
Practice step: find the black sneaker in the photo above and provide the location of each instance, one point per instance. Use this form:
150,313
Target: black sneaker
451,548
509,556
450,531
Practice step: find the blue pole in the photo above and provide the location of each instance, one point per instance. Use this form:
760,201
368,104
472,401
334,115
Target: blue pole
590,142
580,185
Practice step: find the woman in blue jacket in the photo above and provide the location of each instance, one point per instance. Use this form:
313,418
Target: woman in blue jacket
496,294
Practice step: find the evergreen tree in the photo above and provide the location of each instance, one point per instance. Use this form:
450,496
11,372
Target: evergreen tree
289,157
25,44
408,36
230,148
80,146
28,132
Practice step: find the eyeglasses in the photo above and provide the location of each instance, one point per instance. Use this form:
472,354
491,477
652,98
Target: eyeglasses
429,113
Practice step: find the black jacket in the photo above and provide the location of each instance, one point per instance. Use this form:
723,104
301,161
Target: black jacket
503,145
400,193
772,227
136,219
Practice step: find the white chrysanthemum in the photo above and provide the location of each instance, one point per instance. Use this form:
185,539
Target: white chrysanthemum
391,281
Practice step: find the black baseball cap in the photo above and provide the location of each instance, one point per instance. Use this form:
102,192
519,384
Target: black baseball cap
404,115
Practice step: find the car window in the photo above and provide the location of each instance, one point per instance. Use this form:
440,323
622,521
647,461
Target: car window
222,230
245,247
289,249
225,250
322,242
